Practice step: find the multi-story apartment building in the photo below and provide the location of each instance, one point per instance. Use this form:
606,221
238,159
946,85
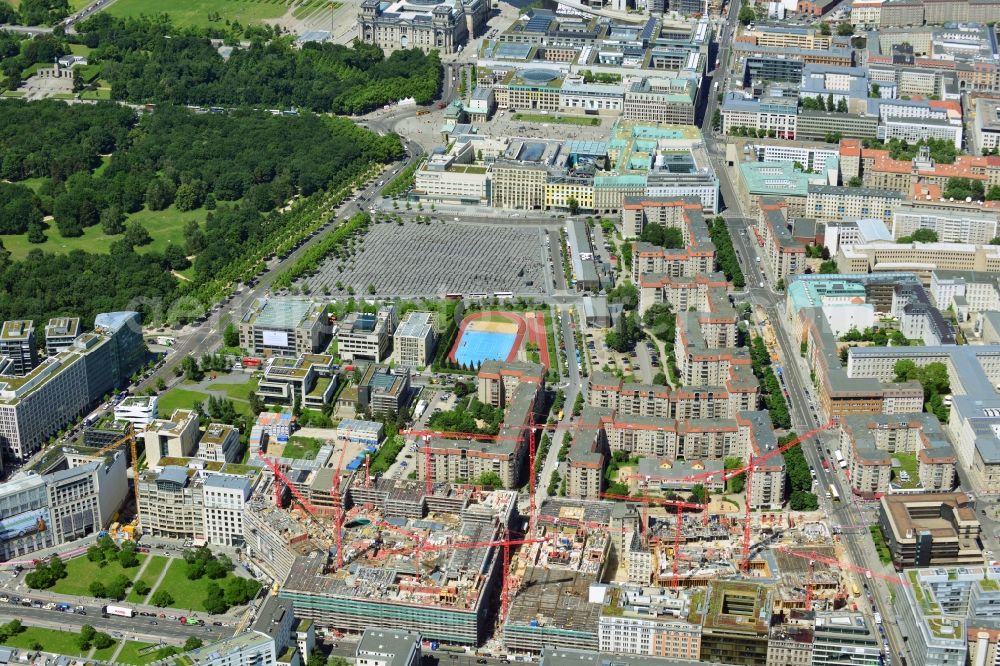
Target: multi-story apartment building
681,292
785,255
224,499
951,226
171,503
939,607
836,634
922,258
60,333
17,342
443,27
707,351
83,499
363,336
453,459
496,381
832,203
415,339
649,621
284,327
175,437
868,443
220,443
738,393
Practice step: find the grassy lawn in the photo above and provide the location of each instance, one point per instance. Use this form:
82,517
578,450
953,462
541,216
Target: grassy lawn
81,572
150,575
239,391
908,463
187,594
194,13
178,398
79,49
34,183
165,227
301,448
105,654
62,642
557,119
130,653
99,94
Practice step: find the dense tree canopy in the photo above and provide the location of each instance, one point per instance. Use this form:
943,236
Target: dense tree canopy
144,67
254,159
47,138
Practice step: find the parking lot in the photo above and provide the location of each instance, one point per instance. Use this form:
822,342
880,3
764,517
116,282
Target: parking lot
415,260
643,361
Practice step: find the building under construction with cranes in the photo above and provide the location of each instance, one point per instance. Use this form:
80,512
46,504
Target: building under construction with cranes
554,605
430,563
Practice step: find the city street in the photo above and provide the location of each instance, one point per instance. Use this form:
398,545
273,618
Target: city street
857,542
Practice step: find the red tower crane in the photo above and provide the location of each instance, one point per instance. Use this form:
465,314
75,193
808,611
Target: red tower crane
338,505
532,447
752,464
279,477
677,504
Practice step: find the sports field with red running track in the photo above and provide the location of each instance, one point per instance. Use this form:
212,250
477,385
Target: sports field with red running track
530,324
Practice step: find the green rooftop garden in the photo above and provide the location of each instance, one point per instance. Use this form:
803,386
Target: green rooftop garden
945,628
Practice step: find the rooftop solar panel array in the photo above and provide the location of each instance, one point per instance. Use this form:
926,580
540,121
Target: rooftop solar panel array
538,24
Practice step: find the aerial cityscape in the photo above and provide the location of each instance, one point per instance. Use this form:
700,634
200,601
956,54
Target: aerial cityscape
454,332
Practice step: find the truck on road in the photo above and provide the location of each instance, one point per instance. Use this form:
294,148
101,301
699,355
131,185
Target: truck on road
121,611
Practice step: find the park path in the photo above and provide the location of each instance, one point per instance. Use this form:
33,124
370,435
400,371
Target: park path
159,579
138,575
114,657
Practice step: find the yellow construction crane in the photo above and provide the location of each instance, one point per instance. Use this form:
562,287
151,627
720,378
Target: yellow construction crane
127,438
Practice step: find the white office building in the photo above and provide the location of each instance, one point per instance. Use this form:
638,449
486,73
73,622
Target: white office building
414,340
139,410
225,497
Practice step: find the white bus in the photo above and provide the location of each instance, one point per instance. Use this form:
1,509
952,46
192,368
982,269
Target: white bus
840,459
833,493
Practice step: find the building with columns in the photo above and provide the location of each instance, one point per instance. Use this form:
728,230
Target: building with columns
442,25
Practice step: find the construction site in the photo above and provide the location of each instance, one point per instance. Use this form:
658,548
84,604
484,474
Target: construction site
461,564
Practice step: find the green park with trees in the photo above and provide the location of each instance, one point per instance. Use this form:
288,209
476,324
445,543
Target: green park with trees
164,209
